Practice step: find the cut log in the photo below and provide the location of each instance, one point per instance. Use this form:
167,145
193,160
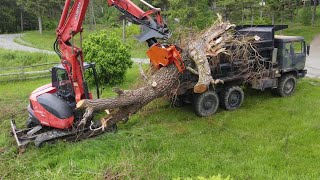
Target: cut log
129,102
208,43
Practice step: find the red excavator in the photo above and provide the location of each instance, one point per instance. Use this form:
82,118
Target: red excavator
52,109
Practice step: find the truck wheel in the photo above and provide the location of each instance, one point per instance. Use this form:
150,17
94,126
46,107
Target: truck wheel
286,85
206,104
231,98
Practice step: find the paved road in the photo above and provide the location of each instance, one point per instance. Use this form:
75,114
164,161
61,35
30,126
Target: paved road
313,60
7,42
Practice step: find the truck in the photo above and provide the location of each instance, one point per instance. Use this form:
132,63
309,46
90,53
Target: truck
283,57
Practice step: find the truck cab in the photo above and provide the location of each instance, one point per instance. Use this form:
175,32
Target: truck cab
292,54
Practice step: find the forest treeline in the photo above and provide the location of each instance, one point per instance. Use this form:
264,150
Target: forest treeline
21,15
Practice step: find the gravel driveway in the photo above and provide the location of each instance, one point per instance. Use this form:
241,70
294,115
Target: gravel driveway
7,42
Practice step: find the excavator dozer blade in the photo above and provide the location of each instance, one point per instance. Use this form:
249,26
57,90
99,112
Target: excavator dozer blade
21,142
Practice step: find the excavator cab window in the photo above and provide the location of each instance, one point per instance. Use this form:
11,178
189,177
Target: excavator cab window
64,84
61,81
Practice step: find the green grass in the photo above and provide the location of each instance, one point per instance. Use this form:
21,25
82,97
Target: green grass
10,58
46,39
12,61
308,32
268,138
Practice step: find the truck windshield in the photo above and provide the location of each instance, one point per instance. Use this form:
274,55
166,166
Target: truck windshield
294,48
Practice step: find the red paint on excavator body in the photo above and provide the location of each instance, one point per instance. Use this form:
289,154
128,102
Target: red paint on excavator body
45,117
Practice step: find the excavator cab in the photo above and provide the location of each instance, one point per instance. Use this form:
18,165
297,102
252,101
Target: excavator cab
61,81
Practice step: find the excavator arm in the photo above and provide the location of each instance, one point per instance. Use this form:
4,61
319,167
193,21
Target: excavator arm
49,108
153,28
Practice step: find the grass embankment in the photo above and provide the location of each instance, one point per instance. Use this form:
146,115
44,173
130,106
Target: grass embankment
10,58
268,138
46,39
12,61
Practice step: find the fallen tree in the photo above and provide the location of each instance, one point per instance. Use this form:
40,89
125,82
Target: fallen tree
199,57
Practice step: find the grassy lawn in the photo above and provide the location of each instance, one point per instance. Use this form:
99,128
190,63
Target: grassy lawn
268,138
46,40
308,32
10,58
11,61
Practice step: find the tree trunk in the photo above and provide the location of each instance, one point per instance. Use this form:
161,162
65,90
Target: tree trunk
124,30
129,102
281,18
273,18
21,20
40,24
242,16
297,8
313,21
91,15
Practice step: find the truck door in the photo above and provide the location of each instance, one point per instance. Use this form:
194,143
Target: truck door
296,55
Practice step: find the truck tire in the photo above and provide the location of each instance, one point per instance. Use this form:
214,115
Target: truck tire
206,104
286,86
231,98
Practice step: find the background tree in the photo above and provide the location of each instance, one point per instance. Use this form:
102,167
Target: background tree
314,13
8,14
41,8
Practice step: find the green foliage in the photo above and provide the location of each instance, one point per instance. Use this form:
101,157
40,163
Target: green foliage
195,14
306,16
8,16
49,23
111,55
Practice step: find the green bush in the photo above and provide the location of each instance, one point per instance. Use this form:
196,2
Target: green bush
111,55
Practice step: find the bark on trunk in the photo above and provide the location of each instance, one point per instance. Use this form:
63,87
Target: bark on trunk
314,13
40,24
273,18
209,44
21,20
129,102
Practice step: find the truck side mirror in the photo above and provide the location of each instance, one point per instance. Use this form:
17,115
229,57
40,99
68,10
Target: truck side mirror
308,50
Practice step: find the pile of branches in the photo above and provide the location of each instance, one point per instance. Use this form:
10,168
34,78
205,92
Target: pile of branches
205,51
219,43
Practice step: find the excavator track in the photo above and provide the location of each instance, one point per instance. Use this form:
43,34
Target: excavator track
50,136
67,135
